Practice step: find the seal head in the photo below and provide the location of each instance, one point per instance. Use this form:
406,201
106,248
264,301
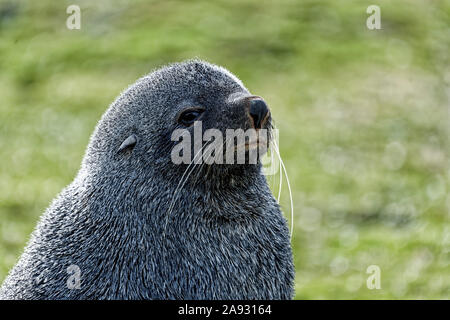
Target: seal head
127,228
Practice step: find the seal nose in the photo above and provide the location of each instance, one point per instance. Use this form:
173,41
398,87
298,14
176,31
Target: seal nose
258,112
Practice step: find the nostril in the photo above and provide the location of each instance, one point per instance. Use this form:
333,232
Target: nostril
258,111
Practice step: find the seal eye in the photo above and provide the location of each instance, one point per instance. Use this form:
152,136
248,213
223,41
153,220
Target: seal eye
188,117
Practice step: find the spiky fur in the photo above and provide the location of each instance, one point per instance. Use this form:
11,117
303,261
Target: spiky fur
225,238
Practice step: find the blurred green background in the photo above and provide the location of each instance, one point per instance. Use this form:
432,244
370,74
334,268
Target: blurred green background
363,119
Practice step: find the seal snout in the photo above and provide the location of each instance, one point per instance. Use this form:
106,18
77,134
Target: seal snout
258,112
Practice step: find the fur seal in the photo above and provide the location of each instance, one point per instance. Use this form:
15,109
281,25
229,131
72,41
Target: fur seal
108,234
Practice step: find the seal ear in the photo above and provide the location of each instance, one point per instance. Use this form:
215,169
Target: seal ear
129,142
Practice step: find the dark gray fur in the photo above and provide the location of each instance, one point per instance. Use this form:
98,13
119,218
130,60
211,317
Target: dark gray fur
225,239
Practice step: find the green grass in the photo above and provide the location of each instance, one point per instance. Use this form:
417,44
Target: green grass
363,119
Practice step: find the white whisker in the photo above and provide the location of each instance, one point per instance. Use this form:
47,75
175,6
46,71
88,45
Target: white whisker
289,187
181,183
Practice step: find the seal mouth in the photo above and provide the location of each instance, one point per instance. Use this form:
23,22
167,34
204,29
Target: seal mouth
252,145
